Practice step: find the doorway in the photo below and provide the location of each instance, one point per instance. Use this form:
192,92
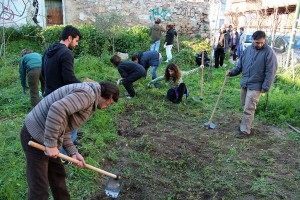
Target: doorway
54,12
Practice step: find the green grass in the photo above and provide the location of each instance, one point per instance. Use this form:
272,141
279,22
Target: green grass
162,150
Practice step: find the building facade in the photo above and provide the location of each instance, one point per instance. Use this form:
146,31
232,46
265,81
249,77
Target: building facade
189,16
268,15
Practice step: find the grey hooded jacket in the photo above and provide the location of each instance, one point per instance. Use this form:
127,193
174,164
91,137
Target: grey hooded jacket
258,68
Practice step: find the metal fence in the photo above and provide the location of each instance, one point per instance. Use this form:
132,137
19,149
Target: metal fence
293,61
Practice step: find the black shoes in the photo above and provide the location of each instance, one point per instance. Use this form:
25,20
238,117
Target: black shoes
242,135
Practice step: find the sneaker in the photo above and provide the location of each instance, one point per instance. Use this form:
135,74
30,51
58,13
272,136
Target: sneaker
242,135
65,162
128,97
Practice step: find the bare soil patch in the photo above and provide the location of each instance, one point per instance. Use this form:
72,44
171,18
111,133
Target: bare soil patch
169,156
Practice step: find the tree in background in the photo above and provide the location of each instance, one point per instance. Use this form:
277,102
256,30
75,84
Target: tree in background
108,25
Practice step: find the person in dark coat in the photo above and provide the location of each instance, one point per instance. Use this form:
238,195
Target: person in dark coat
130,72
234,43
221,47
147,59
57,65
58,60
169,41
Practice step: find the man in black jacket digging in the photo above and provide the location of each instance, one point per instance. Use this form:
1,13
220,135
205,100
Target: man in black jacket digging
130,72
57,65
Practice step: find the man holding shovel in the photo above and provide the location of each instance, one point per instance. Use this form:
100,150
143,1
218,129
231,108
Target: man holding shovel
49,124
258,66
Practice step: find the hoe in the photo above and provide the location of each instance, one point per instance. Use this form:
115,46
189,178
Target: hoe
114,183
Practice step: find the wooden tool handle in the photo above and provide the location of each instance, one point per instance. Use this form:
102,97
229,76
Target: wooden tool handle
219,97
73,160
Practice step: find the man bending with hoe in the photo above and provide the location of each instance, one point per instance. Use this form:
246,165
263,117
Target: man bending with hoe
49,124
258,66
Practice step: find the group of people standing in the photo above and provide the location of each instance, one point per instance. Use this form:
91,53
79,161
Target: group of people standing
68,103
229,39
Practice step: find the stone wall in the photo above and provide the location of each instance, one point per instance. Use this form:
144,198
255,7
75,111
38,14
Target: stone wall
189,16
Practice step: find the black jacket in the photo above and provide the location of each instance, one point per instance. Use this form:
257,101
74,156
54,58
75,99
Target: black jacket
171,33
57,67
131,71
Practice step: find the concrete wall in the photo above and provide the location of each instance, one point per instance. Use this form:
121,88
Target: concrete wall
189,16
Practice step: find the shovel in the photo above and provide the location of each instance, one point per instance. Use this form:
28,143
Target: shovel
114,183
210,124
202,80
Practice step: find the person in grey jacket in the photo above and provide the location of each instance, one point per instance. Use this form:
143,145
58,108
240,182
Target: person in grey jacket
258,66
49,123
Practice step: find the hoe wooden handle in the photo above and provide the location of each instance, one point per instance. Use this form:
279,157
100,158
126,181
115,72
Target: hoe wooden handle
73,160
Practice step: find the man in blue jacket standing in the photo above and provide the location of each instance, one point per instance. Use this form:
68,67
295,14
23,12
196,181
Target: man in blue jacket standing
147,59
258,66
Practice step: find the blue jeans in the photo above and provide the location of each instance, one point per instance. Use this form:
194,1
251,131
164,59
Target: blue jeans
153,71
240,50
73,137
155,46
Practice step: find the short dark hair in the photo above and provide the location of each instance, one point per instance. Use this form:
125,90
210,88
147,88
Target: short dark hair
70,31
157,21
115,60
135,56
242,28
25,51
109,89
258,35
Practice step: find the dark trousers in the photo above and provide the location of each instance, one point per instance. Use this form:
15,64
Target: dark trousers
233,50
128,83
33,78
219,57
42,171
175,95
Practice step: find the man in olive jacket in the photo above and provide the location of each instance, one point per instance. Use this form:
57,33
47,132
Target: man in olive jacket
258,66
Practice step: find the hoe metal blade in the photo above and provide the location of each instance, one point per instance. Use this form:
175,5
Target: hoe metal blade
197,98
113,187
210,125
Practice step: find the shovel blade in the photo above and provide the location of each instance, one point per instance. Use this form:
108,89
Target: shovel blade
197,98
210,125
113,187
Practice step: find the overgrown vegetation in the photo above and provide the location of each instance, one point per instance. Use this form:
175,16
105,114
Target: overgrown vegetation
161,150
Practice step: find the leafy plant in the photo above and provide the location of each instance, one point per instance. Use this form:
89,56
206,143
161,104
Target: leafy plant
108,25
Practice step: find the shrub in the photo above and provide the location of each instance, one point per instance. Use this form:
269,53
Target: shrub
91,42
196,45
133,40
10,34
184,57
